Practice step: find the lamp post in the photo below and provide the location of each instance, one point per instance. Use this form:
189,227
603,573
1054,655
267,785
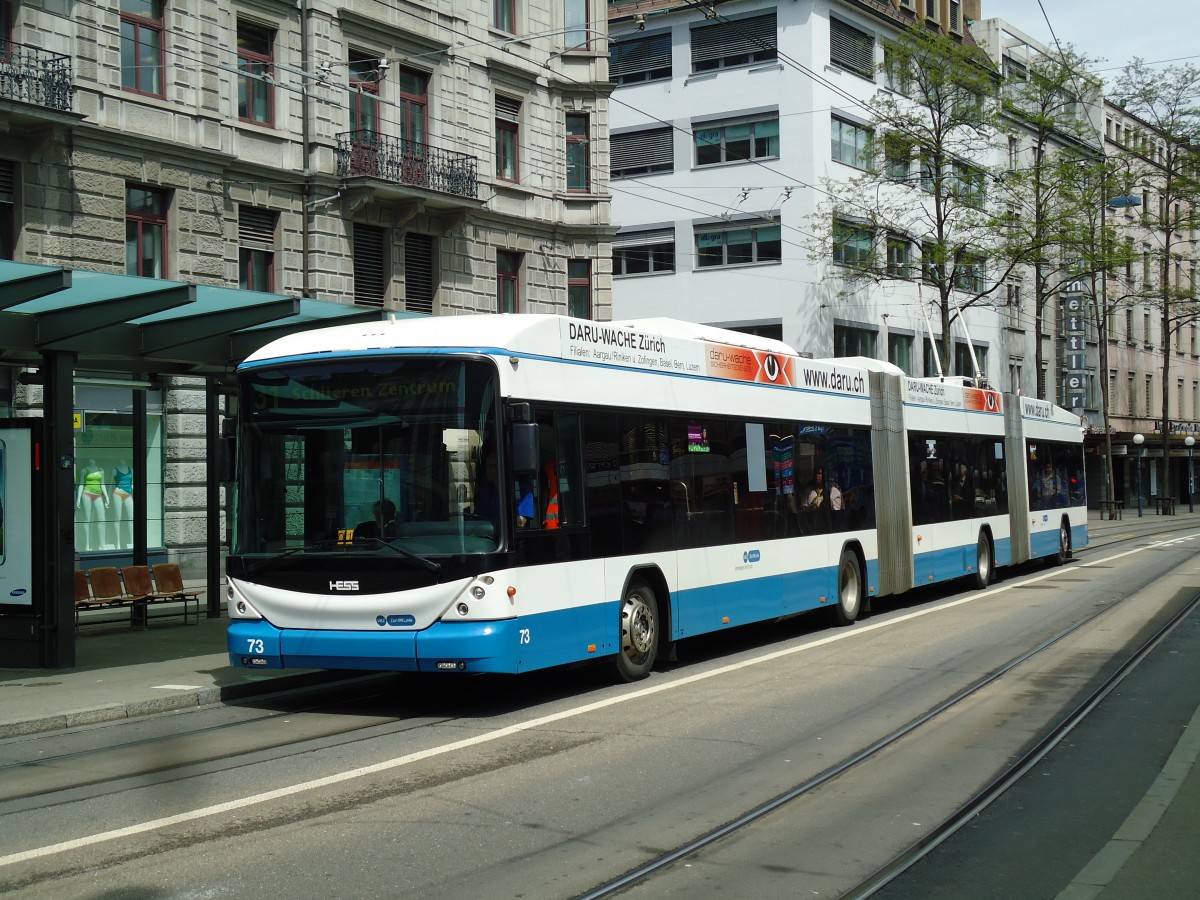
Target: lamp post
1139,440
1191,442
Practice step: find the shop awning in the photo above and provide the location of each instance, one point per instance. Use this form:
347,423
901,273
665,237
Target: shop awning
127,324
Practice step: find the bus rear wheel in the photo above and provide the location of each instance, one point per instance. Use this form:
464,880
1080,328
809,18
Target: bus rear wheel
850,589
984,564
639,633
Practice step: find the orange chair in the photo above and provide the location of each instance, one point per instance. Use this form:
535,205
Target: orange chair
106,587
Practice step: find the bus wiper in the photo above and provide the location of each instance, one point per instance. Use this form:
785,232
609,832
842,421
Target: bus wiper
307,548
423,562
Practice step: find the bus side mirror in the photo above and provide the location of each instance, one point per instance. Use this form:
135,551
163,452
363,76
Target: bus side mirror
525,448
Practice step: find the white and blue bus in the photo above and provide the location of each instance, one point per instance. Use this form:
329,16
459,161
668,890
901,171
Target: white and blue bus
508,493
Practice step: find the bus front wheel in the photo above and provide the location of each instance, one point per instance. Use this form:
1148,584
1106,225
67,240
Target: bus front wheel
639,633
850,588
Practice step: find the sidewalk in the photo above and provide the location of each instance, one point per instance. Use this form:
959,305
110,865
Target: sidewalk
123,674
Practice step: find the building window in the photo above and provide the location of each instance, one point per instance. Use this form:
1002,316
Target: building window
736,141
1132,391
145,232
419,281
851,143
364,92
504,15
142,46
371,255
256,98
897,155
640,59
899,256
849,340
929,174
738,246
411,107
852,243
8,209
508,142
738,42
1014,153
579,288
969,273
851,49
900,347
644,253
256,249
931,266
575,16
642,152
508,281
577,152
897,71
969,185
964,364
1012,303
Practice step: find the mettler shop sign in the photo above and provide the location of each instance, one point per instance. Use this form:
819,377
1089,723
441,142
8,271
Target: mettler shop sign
1073,334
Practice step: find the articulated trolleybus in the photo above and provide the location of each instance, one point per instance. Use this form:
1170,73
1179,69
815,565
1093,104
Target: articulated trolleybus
507,493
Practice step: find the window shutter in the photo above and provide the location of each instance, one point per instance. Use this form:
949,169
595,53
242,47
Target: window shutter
8,180
370,268
639,55
851,49
418,273
256,228
753,35
508,108
642,151
644,238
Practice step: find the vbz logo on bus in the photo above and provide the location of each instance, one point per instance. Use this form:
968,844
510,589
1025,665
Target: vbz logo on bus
751,556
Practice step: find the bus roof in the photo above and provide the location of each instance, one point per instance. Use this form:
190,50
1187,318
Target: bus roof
533,333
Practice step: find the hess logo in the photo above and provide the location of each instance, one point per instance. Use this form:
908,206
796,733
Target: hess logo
343,585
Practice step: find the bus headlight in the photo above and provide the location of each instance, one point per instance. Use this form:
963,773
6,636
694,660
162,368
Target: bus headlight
478,593
463,609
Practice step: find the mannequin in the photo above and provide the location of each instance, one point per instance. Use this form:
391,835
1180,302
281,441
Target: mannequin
122,496
91,500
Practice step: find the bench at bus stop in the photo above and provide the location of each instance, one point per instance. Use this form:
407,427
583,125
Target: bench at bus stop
1163,505
1112,509
107,587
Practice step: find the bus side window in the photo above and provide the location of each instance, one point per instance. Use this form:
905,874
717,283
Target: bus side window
559,500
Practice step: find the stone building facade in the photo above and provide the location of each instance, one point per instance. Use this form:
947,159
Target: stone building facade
427,157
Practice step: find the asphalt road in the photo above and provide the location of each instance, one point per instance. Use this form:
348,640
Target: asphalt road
550,785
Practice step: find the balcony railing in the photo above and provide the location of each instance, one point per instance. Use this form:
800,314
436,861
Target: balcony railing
32,75
375,155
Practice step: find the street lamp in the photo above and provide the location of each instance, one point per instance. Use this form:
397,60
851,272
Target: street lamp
1190,442
1139,440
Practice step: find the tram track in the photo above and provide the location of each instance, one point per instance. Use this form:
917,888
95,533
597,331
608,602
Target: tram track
898,864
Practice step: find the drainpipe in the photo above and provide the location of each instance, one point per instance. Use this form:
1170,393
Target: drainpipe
305,42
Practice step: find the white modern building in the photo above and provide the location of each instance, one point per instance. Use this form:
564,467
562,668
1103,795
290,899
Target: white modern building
725,132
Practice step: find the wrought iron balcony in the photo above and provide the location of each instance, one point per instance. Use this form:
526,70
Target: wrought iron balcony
33,75
375,155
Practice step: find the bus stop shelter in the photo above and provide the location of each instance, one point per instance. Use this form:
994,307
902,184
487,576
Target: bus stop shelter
55,321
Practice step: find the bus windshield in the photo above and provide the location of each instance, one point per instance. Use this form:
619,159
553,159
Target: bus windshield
371,454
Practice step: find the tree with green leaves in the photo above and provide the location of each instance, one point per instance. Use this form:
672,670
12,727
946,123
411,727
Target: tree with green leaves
1164,158
924,184
1048,197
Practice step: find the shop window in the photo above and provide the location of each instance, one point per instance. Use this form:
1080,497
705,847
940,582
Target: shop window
105,469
